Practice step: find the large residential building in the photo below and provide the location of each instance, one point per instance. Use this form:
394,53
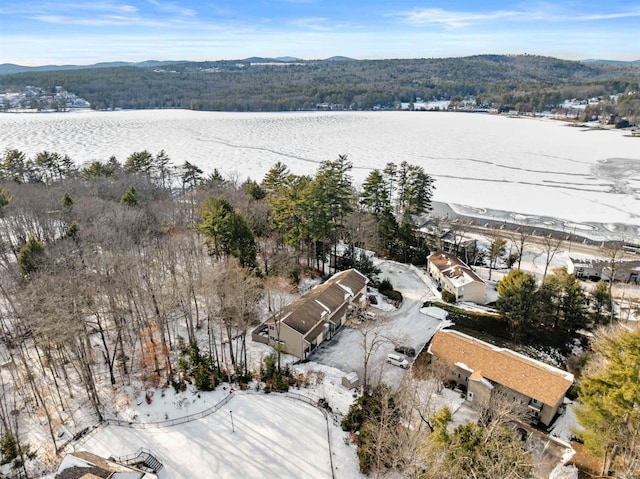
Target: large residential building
626,270
480,367
455,276
303,325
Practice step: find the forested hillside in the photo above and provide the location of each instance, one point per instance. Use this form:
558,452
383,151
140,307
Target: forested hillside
114,274
525,82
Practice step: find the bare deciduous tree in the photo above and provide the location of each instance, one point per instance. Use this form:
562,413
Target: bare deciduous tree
519,237
550,245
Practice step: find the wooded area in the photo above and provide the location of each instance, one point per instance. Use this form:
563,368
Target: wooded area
116,273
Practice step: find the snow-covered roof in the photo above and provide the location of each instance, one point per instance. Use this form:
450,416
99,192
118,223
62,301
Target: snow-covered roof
83,464
453,268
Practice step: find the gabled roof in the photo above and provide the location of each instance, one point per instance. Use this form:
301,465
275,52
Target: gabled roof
503,366
307,314
453,268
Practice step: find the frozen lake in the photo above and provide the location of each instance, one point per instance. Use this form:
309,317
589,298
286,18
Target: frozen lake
534,167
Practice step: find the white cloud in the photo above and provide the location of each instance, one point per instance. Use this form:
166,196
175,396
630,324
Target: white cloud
451,19
549,13
172,8
311,23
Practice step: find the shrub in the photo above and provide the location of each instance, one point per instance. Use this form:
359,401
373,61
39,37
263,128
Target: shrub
393,295
386,288
448,296
201,368
573,392
385,285
275,380
8,448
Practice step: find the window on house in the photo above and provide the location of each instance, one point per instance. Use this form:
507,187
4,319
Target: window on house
470,396
272,327
537,404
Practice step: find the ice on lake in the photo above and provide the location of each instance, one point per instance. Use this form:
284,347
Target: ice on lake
536,167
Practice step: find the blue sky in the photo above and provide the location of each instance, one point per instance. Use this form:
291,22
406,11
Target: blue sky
38,32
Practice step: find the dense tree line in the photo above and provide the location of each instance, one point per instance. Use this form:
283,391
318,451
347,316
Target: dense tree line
523,82
560,303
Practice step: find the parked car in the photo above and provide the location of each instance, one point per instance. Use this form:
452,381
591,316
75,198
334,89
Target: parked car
398,360
406,350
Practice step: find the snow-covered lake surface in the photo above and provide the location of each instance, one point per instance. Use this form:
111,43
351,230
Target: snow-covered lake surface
536,167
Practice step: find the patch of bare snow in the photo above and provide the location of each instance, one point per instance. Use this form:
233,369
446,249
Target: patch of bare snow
566,425
564,472
157,404
435,312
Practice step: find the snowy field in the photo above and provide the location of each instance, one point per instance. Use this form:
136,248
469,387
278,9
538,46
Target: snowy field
534,167
272,436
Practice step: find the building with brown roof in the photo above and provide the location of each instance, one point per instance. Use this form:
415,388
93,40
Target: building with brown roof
304,324
479,367
453,275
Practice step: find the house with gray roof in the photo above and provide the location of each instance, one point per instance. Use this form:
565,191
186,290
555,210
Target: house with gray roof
300,327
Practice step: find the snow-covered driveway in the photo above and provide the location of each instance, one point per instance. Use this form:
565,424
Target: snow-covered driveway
406,326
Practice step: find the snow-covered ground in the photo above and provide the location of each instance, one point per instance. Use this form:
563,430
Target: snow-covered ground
274,435
531,166
256,436
405,326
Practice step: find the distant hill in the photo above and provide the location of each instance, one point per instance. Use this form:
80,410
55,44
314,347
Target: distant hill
8,68
288,59
341,59
271,60
612,62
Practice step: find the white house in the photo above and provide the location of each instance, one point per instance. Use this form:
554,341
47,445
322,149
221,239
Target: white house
626,270
453,275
